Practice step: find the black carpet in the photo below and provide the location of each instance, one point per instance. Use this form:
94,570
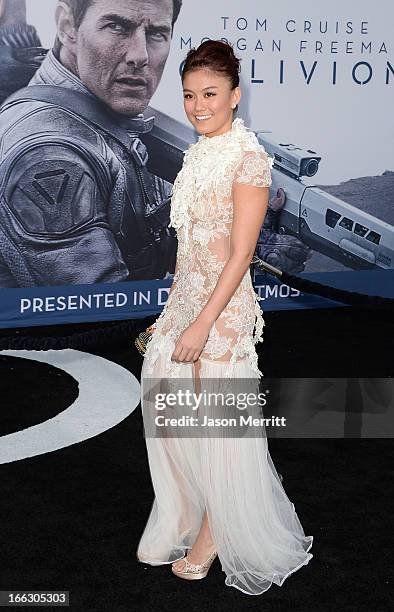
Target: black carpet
71,519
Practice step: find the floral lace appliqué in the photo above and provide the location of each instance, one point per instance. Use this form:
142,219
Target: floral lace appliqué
202,213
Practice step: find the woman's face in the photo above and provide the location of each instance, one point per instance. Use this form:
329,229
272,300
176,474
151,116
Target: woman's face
209,101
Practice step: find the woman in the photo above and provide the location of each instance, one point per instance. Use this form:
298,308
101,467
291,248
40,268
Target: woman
217,494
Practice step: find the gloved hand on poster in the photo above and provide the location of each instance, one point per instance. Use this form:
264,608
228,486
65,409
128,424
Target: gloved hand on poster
20,48
283,251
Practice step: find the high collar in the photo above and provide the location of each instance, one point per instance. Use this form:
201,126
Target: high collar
207,163
52,72
237,137
237,127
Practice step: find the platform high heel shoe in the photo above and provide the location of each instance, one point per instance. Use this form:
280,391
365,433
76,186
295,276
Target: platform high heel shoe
191,571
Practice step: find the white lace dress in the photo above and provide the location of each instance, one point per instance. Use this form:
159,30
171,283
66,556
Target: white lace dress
254,525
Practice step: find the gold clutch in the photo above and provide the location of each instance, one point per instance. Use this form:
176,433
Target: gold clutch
141,342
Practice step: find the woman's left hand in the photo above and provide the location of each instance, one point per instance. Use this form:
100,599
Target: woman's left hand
191,342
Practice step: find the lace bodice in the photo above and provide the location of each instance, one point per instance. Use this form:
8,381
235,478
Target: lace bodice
201,213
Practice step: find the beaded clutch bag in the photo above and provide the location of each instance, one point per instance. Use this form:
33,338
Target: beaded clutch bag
141,342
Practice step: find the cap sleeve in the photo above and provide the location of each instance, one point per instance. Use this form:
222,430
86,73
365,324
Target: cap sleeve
255,169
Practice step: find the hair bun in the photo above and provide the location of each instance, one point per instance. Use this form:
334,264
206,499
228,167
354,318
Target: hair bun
216,55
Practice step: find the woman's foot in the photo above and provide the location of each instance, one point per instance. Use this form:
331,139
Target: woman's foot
202,548
197,555
193,571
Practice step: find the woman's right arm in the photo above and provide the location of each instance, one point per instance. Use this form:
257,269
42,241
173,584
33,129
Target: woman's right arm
174,282
172,286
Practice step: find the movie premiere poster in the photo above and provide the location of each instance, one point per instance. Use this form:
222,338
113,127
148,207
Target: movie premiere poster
84,224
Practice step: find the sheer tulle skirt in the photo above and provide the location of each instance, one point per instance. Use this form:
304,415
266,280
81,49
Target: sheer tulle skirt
254,525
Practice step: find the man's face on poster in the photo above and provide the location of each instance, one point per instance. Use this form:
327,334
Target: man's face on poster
121,49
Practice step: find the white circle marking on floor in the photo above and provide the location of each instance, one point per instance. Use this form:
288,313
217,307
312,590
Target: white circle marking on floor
108,393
